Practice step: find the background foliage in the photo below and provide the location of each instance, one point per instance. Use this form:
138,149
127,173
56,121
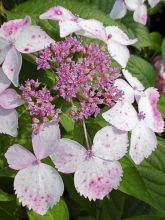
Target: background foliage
141,195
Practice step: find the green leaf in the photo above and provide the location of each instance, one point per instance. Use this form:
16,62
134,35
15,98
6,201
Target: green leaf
143,70
146,181
161,105
58,212
146,217
156,40
67,122
5,196
163,51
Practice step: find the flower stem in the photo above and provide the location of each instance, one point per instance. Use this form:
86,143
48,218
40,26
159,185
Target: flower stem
85,133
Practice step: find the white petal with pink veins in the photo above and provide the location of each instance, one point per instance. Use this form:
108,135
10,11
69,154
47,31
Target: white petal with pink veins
116,34
68,27
133,81
32,39
12,65
140,15
95,178
68,155
58,13
46,140
123,116
110,143
38,187
11,29
119,52
19,157
10,99
126,88
148,105
9,121
94,27
143,142
119,10
4,81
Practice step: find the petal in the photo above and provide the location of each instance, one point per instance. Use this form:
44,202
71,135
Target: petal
32,39
10,99
12,65
94,27
123,116
140,15
68,155
133,5
11,29
133,81
68,27
46,140
95,178
143,142
4,81
148,105
119,52
153,3
58,13
19,157
116,34
110,143
119,10
126,88
38,187
9,121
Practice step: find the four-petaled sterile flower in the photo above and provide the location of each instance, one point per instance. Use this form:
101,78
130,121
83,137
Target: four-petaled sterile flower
9,100
115,39
97,171
120,7
38,186
19,36
143,124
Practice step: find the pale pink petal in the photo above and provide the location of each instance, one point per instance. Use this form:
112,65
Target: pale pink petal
39,187
58,13
10,99
68,155
46,140
4,81
119,10
12,65
9,121
132,5
133,81
140,15
110,143
126,88
143,142
95,178
11,29
116,34
19,157
148,105
123,116
4,48
68,27
94,27
153,3
32,39
119,52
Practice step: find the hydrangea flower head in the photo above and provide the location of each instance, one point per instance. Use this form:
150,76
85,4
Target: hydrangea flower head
97,171
16,37
37,185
